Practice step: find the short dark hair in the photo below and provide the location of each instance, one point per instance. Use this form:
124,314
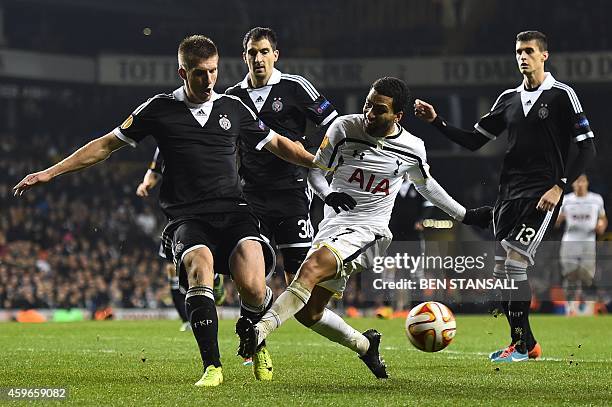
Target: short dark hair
195,48
396,89
533,35
259,33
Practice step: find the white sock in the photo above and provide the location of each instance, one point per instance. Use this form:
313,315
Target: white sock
334,328
286,305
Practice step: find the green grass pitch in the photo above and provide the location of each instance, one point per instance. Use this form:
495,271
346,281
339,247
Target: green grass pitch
151,363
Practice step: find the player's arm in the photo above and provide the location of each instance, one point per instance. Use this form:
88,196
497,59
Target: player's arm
337,200
326,160
287,149
586,153
578,125
602,225
602,219
560,219
152,176
316,107
429,188
149,181
91,153
471,140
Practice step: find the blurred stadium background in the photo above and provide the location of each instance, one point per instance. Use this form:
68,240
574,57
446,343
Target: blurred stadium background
72,70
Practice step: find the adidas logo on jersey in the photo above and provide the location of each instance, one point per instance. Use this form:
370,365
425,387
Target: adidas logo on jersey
201,112
528,103
259,100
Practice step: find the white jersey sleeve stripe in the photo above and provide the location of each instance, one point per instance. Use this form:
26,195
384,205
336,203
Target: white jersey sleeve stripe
571,94
500,96
305,83
308,88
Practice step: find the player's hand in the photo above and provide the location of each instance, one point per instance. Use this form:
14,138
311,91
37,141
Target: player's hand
142,189
550,199
481,217
424,111
340,201
31,180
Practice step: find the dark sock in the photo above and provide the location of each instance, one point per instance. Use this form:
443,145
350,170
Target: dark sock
254,313
178,299
200,305
518,311
530,339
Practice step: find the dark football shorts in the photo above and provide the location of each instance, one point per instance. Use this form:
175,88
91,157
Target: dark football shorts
221,233
285,222
519,226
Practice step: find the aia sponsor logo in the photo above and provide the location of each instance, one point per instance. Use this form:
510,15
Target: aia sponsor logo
371,184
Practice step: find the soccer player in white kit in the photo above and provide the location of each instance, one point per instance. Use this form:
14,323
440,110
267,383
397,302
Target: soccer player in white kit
585,217
370,155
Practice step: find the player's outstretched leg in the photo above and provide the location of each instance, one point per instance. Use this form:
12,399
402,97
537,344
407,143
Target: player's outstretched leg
330,325
320,265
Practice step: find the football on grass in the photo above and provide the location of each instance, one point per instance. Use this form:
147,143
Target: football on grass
430,326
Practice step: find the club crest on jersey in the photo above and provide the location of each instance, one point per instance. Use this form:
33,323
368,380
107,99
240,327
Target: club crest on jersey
224,122
277,105
127,122
543,112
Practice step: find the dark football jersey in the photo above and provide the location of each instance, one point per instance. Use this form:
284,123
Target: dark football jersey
540,124
198,144
285,105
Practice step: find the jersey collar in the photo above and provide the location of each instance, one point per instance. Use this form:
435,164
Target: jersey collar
546,85
179,94
274,79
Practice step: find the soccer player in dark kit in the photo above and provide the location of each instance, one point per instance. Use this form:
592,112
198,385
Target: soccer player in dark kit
211,226
542,117
276,189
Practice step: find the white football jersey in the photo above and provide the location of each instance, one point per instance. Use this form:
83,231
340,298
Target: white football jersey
369,169
581,215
